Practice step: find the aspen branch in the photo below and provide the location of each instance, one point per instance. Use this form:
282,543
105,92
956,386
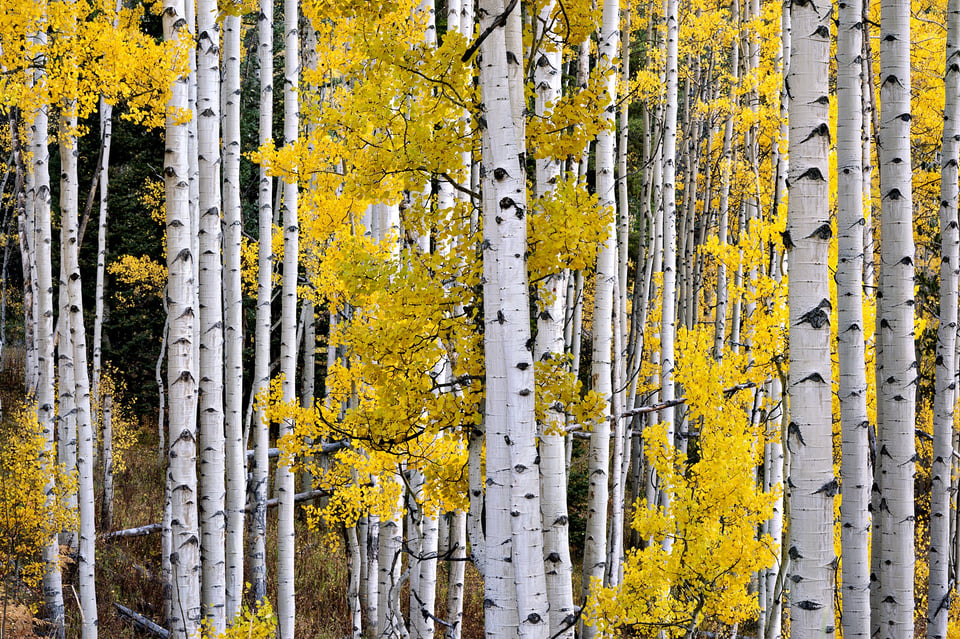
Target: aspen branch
150,529
499,21
141,623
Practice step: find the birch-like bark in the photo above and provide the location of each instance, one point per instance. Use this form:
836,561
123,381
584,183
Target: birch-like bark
938,602
233,319
212,442
185,610
515,589
854,424
458,564
261,366
896,394
286,547
812,483
106,503
67,414
45,390
595,543
69,208
353,582
723,215
550,345
106,133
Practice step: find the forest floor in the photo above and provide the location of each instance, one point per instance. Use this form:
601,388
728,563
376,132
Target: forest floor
128,570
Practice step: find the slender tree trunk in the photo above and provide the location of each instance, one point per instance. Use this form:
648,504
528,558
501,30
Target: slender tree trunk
595,543
286,547
940,588
812,484
69,205
938,602
261,367
550,345
212,442
896,394
854,424
45,392
233,319
185,610
106,504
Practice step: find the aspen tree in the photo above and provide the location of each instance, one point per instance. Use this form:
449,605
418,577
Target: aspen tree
558,566
515,594
896,393
286,603
185,611
45,391
808,437
668,300
233,315
595,543
854,424
938,601
212,443
106,128
261,367
69,206
66,405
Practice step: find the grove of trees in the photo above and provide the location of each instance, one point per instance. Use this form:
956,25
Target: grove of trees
551,319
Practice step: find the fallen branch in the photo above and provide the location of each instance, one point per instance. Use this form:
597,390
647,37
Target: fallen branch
149,529
142,623
140,531
299,497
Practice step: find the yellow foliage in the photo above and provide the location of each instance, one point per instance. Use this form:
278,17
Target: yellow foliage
32,497
250,623
141,276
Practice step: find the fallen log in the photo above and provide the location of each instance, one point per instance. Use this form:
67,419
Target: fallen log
141,623
149,529
139,531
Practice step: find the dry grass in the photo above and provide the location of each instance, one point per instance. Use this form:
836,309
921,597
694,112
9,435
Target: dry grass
128,570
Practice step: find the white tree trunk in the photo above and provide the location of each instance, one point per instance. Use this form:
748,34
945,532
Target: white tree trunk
668,313
286,546
896,395
233,319
45,358
595,543
212,442
458,564
181,364
261,367
69,205
558,567
106,505
854,424
812,484
938,603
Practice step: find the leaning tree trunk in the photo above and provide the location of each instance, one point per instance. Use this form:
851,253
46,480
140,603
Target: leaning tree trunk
181,362
938,602
896,394
807,238
854,424
261,366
